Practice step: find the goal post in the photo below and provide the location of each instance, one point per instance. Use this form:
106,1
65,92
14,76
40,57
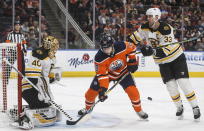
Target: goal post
10,81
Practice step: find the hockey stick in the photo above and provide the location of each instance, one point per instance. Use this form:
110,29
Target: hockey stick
181,42
51,101
90,110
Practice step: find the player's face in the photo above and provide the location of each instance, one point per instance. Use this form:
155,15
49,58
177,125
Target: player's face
150,19
108,50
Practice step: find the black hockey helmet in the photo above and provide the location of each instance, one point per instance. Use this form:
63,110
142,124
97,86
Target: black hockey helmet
17,22
106,41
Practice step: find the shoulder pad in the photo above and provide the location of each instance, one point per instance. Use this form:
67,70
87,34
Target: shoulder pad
100,56
40,53
164,28
119,46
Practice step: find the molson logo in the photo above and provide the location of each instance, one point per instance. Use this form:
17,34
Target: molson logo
194,58
85,59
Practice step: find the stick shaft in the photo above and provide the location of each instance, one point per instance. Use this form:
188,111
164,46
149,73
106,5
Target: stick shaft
51,101
181,42
90,110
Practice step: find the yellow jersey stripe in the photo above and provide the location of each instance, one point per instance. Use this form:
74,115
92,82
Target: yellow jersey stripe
33,69
34,74
168,57
27,86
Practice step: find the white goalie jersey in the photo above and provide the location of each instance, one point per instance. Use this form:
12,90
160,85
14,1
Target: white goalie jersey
36,68
162,36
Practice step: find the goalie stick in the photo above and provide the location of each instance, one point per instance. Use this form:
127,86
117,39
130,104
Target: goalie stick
69,122
181,42
51,101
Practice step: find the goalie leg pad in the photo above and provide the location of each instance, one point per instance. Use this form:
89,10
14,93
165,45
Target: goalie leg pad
45,92
42,117
58,116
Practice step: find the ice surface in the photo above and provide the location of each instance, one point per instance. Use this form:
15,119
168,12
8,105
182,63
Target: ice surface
117,114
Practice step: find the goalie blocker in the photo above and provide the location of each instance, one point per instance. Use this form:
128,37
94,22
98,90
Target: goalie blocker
55,74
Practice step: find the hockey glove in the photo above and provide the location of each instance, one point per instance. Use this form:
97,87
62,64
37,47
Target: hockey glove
146,50
132,65
102,97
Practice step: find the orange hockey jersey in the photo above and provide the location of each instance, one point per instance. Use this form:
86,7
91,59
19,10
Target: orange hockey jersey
111,68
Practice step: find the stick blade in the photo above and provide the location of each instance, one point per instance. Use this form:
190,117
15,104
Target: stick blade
71,122
81,119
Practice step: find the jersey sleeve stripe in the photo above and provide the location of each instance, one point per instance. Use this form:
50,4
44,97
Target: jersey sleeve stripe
101,78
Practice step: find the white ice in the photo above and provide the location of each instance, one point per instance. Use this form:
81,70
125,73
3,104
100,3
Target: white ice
117,114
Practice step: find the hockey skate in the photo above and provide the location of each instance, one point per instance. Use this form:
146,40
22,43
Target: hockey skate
196,112
82,112
142,115
23,123
179,112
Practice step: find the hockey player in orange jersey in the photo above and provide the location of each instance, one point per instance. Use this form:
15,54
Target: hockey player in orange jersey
112,61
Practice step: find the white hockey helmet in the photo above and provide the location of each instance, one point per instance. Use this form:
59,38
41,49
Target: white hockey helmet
154,12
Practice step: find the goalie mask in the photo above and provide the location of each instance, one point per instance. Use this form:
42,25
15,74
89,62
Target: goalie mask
52,44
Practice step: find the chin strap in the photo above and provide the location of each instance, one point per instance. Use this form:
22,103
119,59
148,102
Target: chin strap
112,53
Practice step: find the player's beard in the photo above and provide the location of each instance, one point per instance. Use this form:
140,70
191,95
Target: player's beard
154,24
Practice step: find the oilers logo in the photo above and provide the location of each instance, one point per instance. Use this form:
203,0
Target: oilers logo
115,65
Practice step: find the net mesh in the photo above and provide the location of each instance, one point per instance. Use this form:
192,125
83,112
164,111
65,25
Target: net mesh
8,79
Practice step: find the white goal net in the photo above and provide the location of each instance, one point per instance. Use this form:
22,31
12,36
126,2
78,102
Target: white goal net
10,81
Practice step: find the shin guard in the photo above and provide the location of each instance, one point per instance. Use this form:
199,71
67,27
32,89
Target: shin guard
134,96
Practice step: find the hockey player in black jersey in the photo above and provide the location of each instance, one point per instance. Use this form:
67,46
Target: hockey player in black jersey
171,59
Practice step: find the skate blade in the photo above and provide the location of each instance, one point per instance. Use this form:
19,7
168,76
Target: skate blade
141,119
16,124
180,117
197,120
